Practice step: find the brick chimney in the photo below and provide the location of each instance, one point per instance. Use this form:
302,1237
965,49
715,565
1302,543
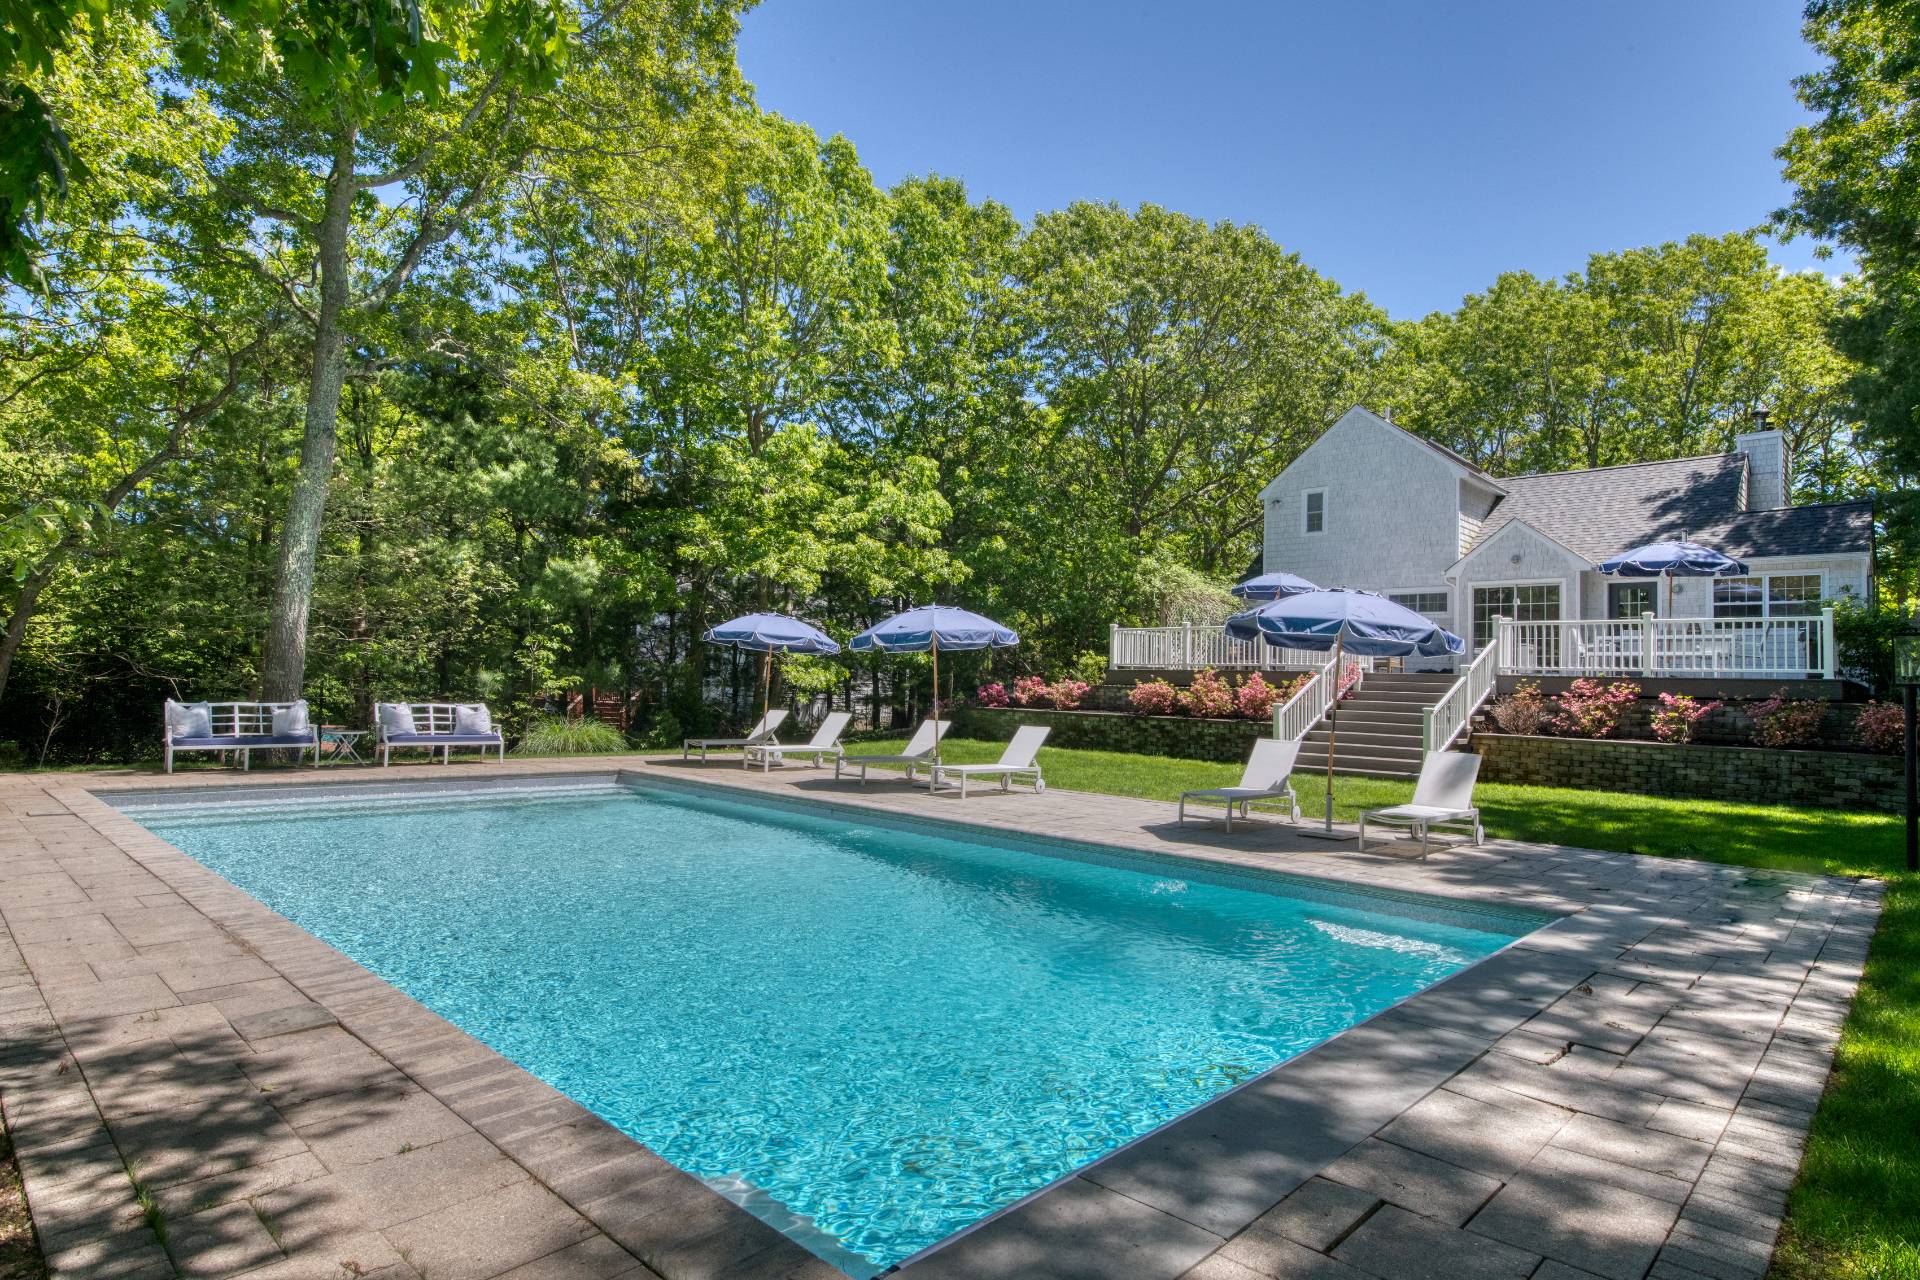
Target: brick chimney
1766,453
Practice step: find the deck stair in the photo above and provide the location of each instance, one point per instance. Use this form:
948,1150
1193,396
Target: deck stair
1380,727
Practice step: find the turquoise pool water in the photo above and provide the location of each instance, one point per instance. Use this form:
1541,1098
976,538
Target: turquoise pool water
870,1035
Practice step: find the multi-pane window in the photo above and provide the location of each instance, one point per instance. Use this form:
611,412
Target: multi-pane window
1537,602
1773,595
1629,599
1431,603
1316,509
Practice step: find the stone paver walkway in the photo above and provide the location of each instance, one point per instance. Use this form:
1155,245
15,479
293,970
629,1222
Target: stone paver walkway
198,1087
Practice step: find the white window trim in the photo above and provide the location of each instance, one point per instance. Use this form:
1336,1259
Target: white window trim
1305,512
1766,593
1566,586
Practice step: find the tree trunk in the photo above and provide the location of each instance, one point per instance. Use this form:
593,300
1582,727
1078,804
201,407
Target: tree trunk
284,667
23,611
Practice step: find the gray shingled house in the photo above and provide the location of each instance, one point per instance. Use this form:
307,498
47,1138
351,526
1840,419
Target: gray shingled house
1373,506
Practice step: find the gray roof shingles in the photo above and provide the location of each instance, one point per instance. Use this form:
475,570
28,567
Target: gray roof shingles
1604,511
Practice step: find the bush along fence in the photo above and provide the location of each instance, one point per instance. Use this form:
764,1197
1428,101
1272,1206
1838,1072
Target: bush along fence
1213,718
1616,711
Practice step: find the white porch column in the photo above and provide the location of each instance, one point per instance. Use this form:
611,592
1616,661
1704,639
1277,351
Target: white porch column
1113,646
1829,656
1187,638
1652,646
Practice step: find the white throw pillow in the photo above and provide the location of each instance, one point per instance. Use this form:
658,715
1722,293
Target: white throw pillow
472,718
190,719
292,721
396,717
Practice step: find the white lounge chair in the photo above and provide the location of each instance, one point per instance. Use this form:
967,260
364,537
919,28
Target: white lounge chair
919,751
1017,758
1442,796
825,742
1266,777
759,734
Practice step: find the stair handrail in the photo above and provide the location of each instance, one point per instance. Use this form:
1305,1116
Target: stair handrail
1442,722
1298,714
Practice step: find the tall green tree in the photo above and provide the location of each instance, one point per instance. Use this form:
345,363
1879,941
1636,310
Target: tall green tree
1856,170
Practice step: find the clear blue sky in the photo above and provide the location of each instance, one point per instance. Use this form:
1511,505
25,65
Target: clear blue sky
1410,150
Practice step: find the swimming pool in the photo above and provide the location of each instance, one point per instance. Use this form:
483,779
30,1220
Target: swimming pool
870,1034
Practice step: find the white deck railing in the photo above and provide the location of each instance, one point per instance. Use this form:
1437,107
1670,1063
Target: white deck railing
1733,648
1310,702
1446,719
1196,646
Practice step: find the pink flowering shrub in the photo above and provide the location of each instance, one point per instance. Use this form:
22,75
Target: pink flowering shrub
1209,696
1153,698
1067,692
1349,677
1031,691
1781,721
1678,713
1882,727
1524,711
1256,698
1589,709
991,695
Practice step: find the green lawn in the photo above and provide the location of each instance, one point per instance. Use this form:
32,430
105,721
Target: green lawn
1855,1214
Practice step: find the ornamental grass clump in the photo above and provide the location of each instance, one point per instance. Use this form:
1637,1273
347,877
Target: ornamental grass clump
1781,721
1881,727
1208,697
563,736
1589,709
1677,715
1153,698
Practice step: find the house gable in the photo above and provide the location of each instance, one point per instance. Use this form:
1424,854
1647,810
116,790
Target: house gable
1368,499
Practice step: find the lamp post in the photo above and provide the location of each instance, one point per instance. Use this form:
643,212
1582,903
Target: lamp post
1906,674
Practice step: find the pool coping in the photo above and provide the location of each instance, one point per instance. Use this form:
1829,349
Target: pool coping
1193,1193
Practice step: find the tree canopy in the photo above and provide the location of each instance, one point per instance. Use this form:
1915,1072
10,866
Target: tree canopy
500,353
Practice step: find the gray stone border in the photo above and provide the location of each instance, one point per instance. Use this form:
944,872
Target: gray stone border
1665,1044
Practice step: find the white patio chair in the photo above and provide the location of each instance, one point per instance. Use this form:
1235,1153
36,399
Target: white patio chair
1019,757
825,742
760,733
1267,777
918,751
1442,796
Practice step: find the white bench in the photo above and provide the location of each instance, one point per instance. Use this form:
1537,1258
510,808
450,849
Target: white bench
244,727
433,725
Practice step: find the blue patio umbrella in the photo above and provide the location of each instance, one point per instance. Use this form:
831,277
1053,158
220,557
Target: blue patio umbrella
1272,586
931,628
1343,621
1677,558
771,633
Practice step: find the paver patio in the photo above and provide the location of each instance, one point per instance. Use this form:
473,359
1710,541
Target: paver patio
1622,1094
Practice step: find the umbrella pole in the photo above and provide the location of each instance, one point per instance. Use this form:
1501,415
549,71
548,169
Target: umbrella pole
1325,831
935,647
1333,727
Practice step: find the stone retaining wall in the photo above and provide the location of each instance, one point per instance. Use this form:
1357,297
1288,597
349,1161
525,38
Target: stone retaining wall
1831,779
1190,739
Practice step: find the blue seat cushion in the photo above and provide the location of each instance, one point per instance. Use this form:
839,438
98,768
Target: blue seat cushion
442,739
245,740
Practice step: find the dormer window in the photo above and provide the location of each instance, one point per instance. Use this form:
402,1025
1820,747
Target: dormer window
1316,511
